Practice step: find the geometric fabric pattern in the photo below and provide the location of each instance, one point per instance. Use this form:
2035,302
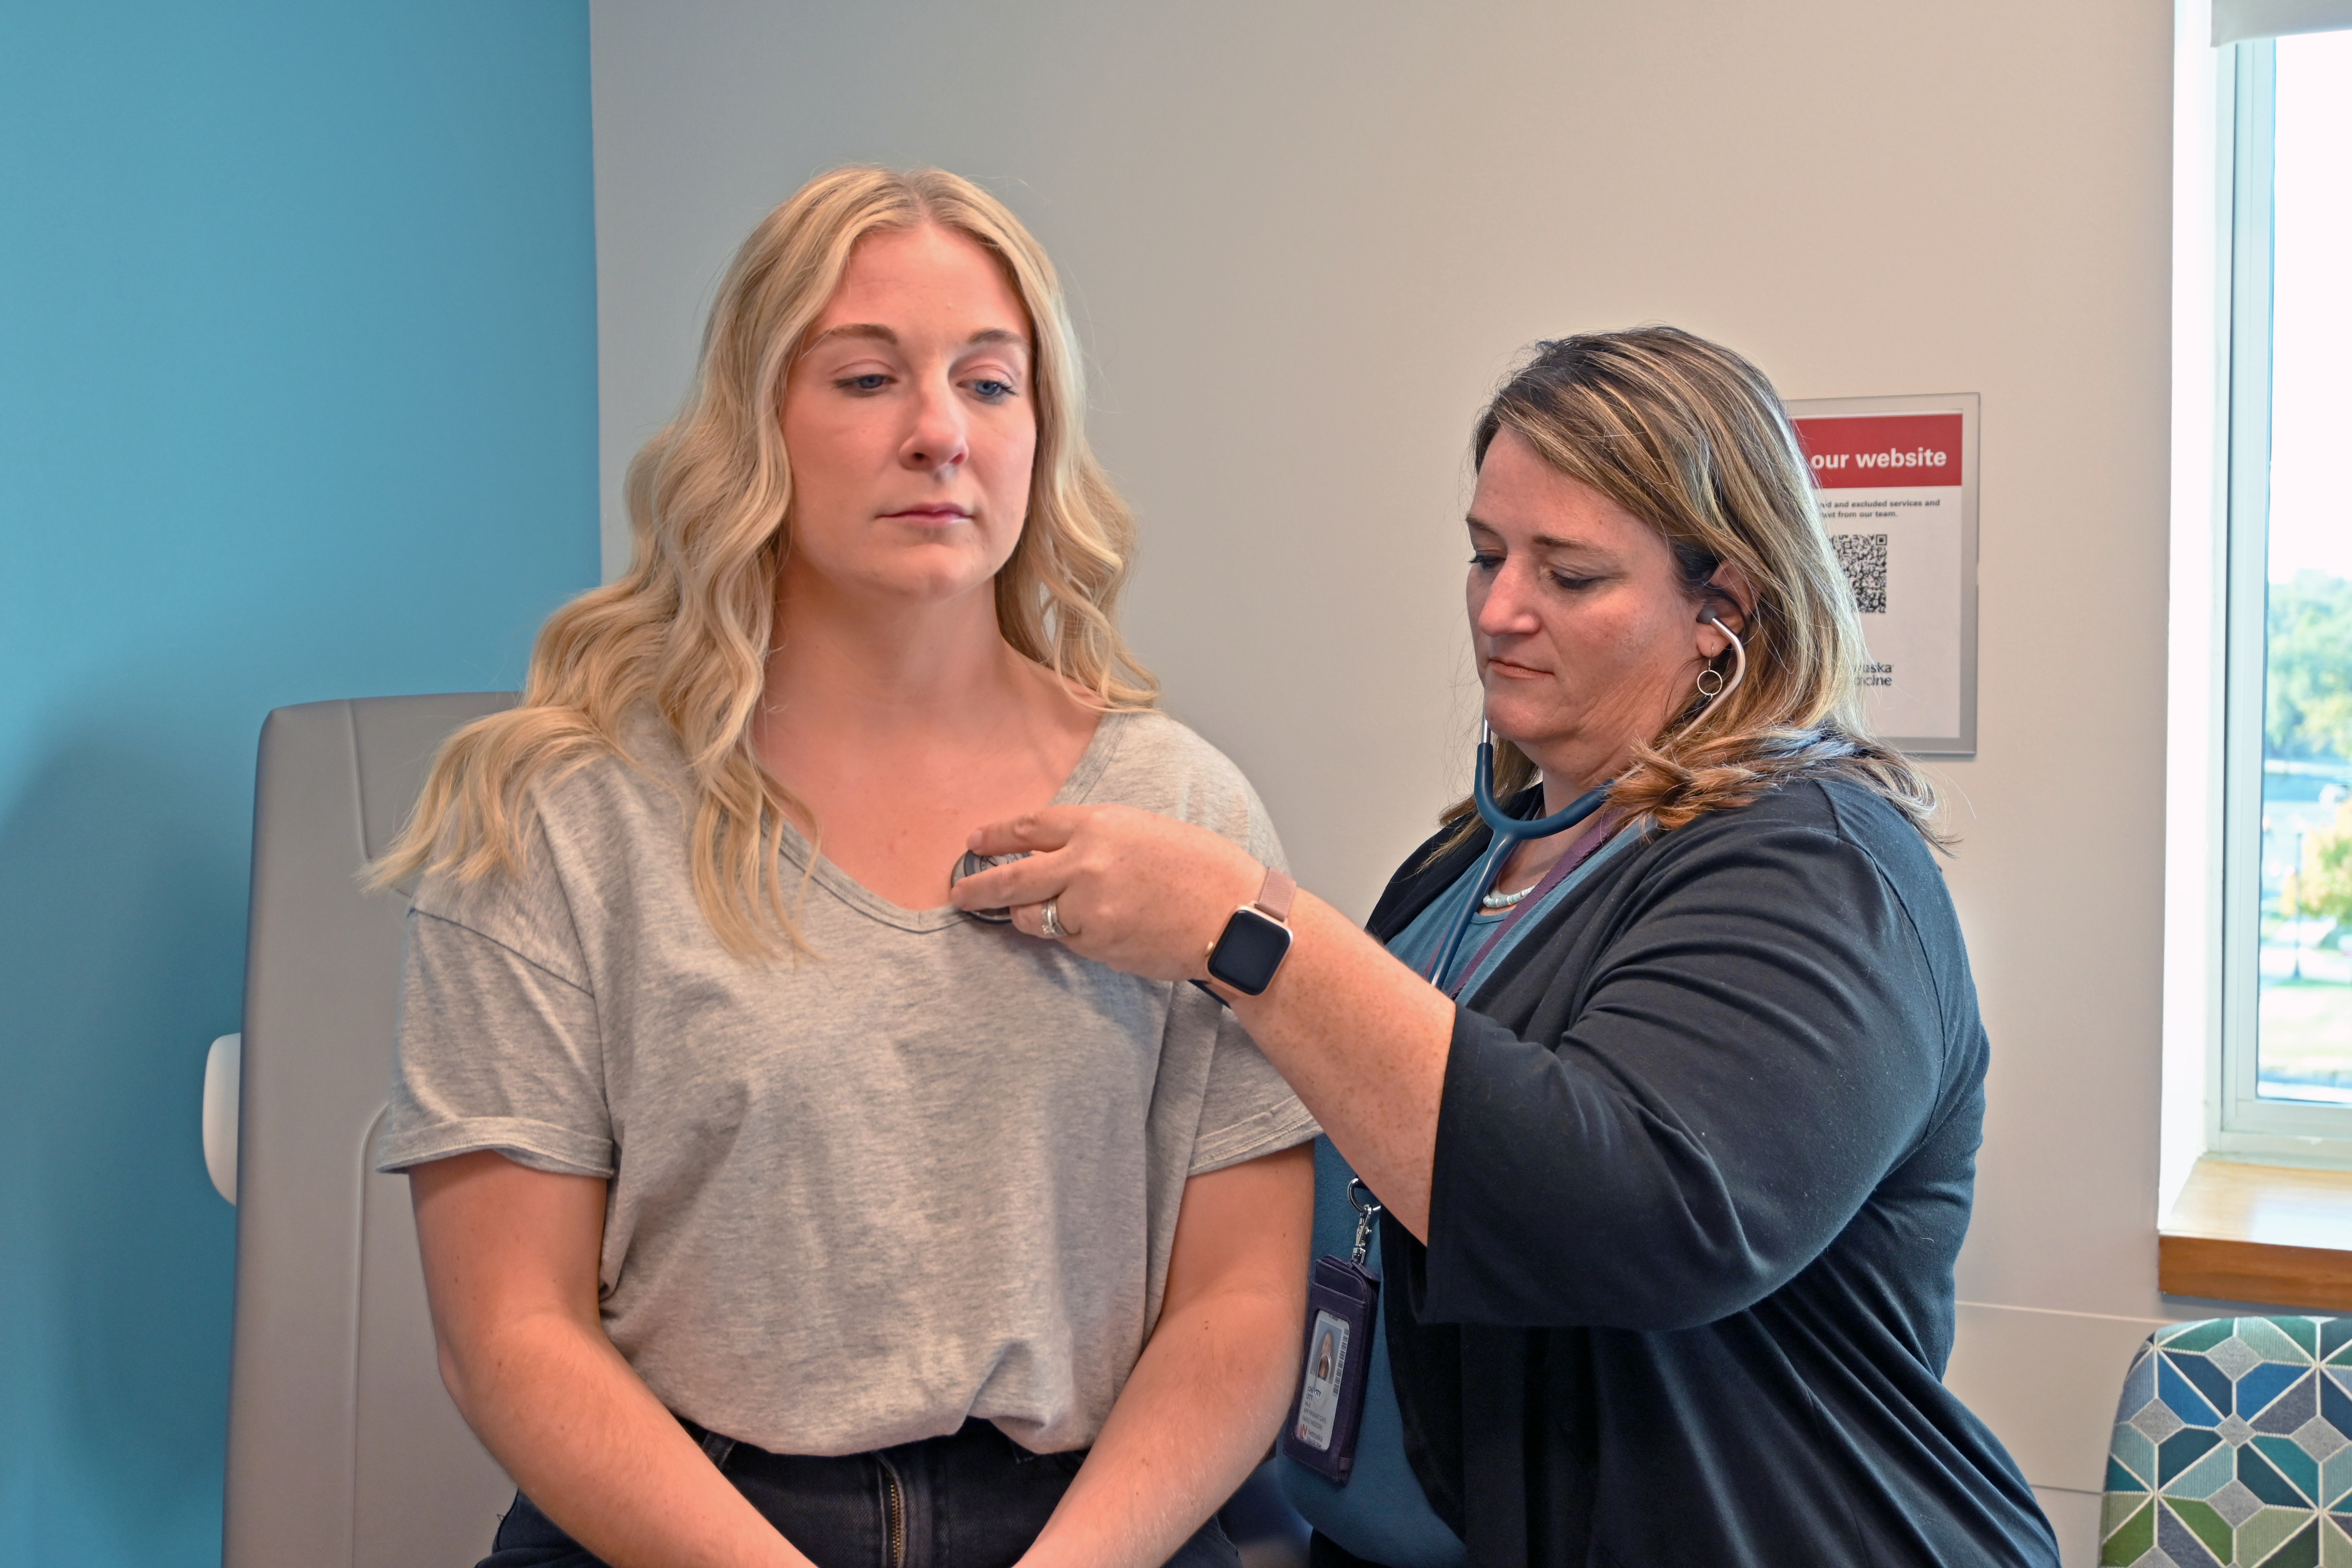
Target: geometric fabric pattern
2234,1448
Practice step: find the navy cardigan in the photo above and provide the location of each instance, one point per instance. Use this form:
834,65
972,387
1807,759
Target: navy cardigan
1704,1162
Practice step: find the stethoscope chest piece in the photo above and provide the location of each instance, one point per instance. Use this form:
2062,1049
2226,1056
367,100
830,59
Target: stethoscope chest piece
971,865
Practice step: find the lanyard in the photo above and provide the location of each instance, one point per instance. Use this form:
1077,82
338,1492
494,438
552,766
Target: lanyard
1490,869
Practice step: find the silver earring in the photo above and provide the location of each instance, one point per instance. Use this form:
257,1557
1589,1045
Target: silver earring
1715,693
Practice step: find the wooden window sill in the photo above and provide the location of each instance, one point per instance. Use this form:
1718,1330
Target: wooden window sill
2272,1234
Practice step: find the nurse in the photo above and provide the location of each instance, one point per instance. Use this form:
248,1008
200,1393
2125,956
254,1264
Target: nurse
1673,1111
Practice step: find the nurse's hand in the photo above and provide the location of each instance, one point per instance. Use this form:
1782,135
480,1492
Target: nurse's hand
1142,893
1363,1040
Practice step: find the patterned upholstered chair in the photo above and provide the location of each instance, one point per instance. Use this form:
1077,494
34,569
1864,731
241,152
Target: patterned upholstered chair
2233,1446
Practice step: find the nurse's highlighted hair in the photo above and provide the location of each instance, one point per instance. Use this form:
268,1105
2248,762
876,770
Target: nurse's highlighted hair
1692,439
684,633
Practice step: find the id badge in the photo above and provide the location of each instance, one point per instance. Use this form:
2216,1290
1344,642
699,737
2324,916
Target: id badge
1343,1303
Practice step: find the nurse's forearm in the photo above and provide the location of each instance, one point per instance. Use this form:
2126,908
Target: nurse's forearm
1201,1407
1363,1041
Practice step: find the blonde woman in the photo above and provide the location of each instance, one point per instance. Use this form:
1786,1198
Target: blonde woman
1674,1110
772,1211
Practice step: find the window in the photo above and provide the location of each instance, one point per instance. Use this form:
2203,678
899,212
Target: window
2286,981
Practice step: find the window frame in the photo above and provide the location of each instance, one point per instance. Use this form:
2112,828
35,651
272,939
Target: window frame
2243,1122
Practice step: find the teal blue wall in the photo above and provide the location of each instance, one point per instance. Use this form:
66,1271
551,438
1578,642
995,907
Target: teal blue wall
297,400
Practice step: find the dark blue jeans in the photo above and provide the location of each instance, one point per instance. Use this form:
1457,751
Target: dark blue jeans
975,1500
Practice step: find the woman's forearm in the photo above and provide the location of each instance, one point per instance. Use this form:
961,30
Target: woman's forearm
1363,1041
510,1257
591,1447
1201,1407
1194,1418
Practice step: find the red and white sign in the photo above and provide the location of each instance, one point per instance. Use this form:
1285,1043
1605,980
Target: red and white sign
1899,506
1873,451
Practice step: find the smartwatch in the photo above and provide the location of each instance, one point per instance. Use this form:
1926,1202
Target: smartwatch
1256,938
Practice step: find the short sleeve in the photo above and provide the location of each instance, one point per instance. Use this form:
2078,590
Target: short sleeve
496,1051
1247,1110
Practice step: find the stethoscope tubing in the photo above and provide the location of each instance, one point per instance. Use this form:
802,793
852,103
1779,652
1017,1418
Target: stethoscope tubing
1510,833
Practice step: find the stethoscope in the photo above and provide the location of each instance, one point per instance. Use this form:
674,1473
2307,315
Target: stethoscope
1510,831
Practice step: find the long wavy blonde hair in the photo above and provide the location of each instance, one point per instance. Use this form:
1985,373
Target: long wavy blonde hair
685,632
1692,439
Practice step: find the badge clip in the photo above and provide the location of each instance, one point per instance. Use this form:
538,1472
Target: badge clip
1342,1306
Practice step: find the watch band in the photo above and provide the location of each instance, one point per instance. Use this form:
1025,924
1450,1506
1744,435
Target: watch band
1274,894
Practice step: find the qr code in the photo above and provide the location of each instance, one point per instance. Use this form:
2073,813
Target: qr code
1863,556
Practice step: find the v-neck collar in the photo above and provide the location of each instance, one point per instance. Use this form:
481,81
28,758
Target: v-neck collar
1081,784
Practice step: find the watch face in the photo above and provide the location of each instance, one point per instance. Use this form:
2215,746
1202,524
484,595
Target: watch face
1249,952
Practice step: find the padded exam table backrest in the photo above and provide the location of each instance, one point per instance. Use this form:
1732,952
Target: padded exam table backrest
344,1451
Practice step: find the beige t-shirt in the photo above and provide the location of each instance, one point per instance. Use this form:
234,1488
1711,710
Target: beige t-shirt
931,1174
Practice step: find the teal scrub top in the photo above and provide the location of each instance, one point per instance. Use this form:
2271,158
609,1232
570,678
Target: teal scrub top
1380,1514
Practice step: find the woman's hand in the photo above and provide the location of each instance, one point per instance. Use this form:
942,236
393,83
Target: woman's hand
1142,893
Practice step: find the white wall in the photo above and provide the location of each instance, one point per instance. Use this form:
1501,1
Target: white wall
1305,238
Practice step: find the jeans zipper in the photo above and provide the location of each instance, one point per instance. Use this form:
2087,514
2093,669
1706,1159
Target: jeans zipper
894,1510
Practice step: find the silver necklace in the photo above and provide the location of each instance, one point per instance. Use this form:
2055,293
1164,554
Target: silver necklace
1503,900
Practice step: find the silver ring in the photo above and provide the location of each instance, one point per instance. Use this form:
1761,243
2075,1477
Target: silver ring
1049,922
